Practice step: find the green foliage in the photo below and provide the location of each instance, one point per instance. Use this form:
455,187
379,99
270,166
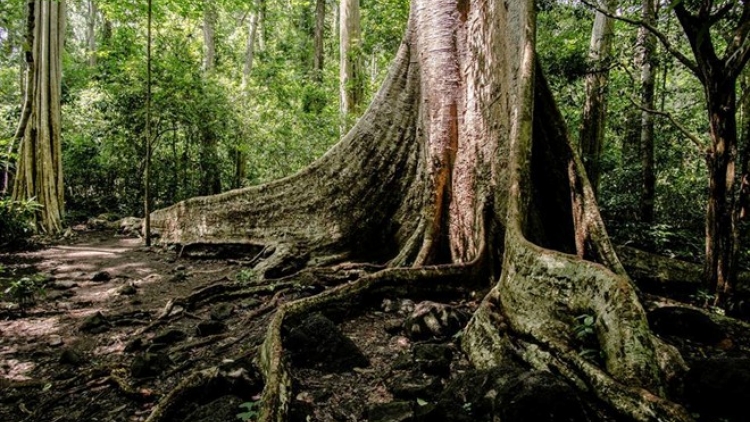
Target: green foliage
586,339
25,291
15,221
245,276
251,412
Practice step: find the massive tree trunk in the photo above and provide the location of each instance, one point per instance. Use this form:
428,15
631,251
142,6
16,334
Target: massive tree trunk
209,36
595,107
460,168
40,173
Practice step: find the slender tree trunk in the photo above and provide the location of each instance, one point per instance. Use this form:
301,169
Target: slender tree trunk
252,31
722,108
91,18
40,174
209,36
320,22
591,136
262,25
350,80
26,87
647,44
147,166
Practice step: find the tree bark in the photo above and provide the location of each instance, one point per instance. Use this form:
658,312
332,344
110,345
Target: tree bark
594,117
40,174
209,36
320,23
252,30
91,17
350,81
460,167
647,44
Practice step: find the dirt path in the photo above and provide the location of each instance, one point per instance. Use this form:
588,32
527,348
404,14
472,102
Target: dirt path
122,327
61,360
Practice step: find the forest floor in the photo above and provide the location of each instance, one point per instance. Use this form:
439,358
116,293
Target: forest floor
120,325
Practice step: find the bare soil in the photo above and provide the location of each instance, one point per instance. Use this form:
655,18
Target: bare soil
121,325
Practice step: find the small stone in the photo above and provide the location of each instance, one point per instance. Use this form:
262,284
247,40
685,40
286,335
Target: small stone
209,328
133,345
70,356
149,365
56,341
414,386
222,312
101,276
128,290
434,359
95,324
393,326
169,337
179,277
180,268
397,411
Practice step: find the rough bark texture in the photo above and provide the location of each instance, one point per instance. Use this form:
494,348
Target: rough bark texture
350,96
209,35
595,107
40,173
718,72
460,167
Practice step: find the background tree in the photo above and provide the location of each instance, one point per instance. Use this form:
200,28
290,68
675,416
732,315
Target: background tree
40,173
350,81
594,117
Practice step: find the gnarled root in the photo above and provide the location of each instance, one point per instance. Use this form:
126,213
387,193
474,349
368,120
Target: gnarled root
277,393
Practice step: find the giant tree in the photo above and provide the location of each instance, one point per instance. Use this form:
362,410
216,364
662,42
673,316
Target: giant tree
40,173
460,170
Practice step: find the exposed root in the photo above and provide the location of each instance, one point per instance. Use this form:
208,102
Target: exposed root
277,393
200,387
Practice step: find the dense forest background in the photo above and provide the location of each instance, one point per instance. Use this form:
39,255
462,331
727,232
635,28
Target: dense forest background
227,123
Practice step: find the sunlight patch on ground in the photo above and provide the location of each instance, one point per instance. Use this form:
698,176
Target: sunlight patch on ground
15,370
29,327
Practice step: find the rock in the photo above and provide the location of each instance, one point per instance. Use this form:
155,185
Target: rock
431,319
149,365
318,342
64,285
685,323
56,341
101,276
129,226
134,345
434,359
209,328
169,337
397,411
393,326
719,387
509,394
222,312
540,396
180,268
95,324
414,386
128,290
97,223
71,356
178,277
